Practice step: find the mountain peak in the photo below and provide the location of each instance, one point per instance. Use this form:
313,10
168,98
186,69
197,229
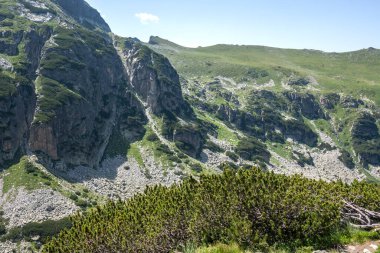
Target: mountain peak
156,40
83,13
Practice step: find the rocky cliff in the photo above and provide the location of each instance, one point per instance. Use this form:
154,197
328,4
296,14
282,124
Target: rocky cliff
154,79
65,89
83,13
73,93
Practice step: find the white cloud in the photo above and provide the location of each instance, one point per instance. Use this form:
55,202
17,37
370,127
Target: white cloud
147,18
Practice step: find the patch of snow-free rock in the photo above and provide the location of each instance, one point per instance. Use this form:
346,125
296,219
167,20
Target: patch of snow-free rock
40,17
6,65
22,207
213,160
327,166
11,247
121,178
374,171
269,84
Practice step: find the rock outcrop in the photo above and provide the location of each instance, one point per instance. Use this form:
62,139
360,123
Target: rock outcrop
154,79
83,13
16,115
304,104
189,140
70,90
9,42
366,139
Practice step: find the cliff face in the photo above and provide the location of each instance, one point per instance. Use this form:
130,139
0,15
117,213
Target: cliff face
16,114
83,13
154,79
80,79
66,90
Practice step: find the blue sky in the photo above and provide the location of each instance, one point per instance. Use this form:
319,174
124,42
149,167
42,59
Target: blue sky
329,25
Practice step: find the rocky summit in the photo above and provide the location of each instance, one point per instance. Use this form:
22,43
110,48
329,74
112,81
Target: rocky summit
87,115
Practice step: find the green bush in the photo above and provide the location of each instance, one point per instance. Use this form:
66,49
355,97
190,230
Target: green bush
7,85
3,229
213,147
302,160
164,149
117,145
152,137
52,95
6,14
6,23
82,203
345,157
30,168
183,146
54,61
249,207
196,167
174,158
73,197
44,229
228,165
252,150
234,157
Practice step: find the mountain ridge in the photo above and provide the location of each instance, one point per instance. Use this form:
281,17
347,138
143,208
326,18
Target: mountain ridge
157,40
87,116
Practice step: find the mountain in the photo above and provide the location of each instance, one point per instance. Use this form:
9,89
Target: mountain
305,105
74,99
86,115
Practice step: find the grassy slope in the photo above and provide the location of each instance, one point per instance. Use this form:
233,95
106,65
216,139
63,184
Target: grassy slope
17,176
351,72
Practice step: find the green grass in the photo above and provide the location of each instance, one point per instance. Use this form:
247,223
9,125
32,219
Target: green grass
7,84
349,236
134,151
221,248
353,72
227,134
370,178
355,236
29,176
43,229
20,176
51,96
117,145
282,150
224,133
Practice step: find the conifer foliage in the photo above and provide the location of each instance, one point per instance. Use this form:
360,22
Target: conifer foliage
245,206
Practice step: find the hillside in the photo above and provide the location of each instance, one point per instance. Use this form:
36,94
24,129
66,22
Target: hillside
306,105
82,115
353,73
87,116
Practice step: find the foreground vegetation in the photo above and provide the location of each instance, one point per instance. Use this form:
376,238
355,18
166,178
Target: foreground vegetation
249,207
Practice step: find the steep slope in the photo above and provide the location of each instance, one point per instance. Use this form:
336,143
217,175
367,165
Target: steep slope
75,115
157,85
86,115
69,83
83,13
306,105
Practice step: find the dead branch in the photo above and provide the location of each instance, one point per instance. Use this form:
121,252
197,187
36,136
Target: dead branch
360,217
